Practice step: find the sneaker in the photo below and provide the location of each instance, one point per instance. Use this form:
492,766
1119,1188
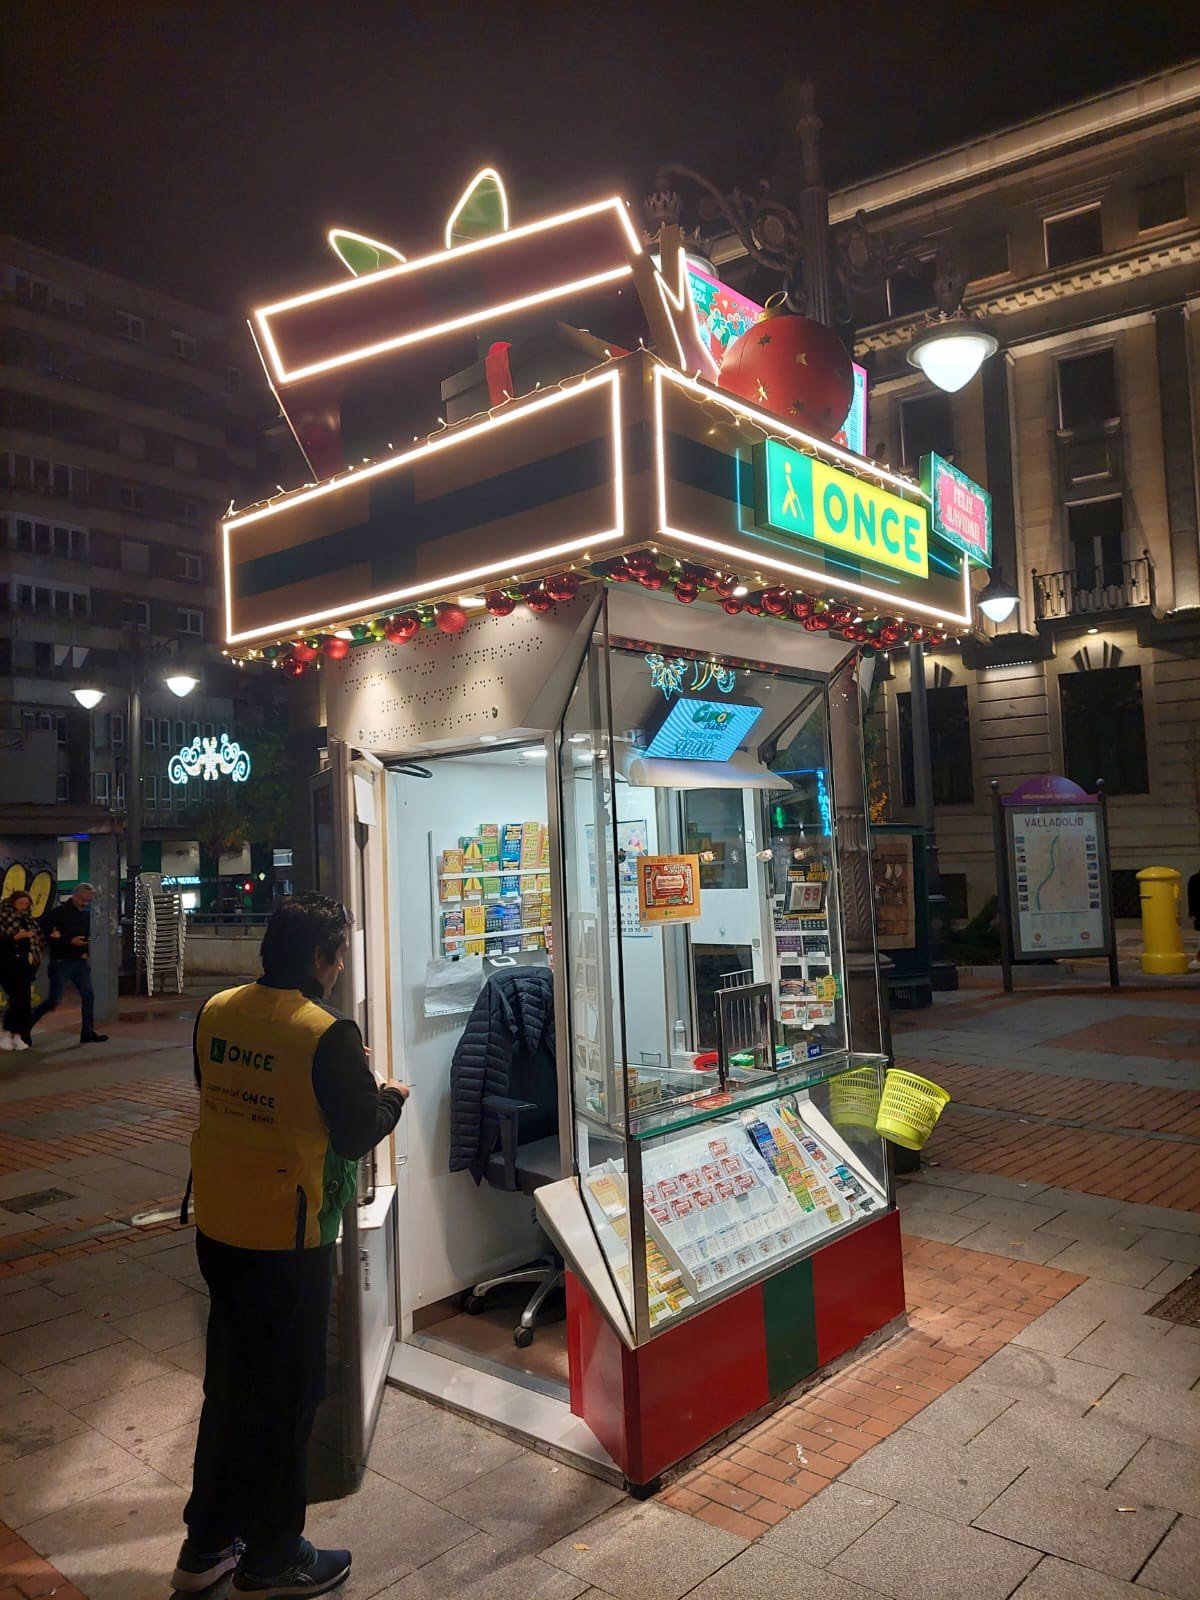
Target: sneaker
315,1572
6,1041
197,1570
17,1042
93,1038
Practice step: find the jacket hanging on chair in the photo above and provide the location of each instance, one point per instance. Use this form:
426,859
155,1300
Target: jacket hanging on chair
507,1048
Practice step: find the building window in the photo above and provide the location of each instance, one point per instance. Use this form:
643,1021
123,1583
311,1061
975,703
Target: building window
1087,389
911,292
131,327
60,730
135,556
120,793
1073,236
133,498
135,614
51,539
183,346
926,425
101,787
116,729
189,566
233,379
164,733
986,256
181,737
150,791
949,746
62,788
191,621
149,728
47,477
50,599
1095,532
1104,730
187,510
1161,202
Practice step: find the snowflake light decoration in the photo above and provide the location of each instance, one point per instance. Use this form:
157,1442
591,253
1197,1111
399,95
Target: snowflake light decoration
209,760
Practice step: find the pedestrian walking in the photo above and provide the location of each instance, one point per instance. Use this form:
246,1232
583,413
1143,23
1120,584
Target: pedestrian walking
22,948
288,1105
68,930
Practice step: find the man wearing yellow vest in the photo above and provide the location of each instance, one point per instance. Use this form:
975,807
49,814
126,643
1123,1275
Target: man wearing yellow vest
288,1105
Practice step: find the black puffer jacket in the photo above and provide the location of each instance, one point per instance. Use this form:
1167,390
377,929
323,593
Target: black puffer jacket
507,1048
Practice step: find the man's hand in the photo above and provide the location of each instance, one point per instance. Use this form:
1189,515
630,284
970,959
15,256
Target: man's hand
79,939
402,1088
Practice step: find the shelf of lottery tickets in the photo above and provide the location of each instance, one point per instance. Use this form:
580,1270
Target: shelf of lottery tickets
492,890
731,1199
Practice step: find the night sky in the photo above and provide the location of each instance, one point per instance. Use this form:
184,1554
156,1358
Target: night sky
205,147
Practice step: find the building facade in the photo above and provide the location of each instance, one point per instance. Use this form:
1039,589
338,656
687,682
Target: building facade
1080,237
128,423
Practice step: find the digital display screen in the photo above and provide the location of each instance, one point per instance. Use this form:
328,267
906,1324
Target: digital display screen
703,730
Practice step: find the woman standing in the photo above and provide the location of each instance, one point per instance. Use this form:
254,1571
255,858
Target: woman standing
21,950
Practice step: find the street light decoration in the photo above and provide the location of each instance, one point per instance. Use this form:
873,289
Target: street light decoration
209,759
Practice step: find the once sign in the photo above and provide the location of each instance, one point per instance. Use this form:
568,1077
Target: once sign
806,497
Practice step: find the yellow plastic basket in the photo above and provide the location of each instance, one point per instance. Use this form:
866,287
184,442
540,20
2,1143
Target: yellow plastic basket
854,1101
909,1108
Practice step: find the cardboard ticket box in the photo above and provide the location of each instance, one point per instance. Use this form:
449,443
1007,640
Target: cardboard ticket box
668,888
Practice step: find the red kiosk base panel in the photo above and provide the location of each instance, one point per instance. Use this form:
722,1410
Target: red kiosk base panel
655,1405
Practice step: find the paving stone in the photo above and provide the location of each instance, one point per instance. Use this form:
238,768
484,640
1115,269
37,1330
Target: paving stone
999,1239
391,1531
644,1551
1110,1302
1174,1246
190,1356
962,1412
1098,1230
1165,1474
127,1295
29,1307
481,1568
1053,1579
1154,1408
1002,1188
1055,1512
955,1481
31,1422
69,1277
762,1571
101,1372
1046,1433
133,1416
1171,1276
440,1453
1030,1374
185,1318
938,1197
532,1501
912,1555
1133,1267
1095,1205
13,1384
1144,1352
1022,1217
50,1342
121,1543
830,1522
946,1227
1164,1217
61,1475
170,1454
1057,1331
1174,1568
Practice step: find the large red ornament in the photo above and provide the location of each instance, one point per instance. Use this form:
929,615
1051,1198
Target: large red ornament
335,649
538,601
450,619
402,629
294,667
304,652
732,606
499,604
795,367
776,602
653,579
562,586
686,591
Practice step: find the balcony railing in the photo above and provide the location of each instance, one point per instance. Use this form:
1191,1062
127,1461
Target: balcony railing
1106,586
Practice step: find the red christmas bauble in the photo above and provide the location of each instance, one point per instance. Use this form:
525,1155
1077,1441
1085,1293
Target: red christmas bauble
754,608
335,649
538,601
621,572
776,602
499,604
725,587
562,586
817,624
640,563
802,607
654,579
732,606
303,651
686,592
403,628
795,367
294,667
449,619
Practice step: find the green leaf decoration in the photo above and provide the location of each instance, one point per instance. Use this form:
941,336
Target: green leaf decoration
482,210
362,255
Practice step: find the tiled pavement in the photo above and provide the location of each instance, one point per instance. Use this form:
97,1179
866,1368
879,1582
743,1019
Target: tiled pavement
1035,1435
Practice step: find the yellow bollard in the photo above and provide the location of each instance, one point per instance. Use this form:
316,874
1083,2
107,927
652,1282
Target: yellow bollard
1162,939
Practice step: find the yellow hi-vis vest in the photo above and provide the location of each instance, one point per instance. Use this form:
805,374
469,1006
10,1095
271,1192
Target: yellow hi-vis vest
263,1172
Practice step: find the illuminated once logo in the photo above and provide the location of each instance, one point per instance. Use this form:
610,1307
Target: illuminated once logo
806,497
208,759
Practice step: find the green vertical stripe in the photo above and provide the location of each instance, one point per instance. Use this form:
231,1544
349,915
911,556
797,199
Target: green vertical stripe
791,1323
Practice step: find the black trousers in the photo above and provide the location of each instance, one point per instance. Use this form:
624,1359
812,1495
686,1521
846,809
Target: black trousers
264,1377
16,978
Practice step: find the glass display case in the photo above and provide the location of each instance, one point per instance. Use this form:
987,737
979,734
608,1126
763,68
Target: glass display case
723,1125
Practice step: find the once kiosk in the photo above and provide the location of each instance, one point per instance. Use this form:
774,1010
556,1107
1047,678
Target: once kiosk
660,801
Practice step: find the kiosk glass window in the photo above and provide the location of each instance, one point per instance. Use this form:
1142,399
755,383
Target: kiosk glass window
705,976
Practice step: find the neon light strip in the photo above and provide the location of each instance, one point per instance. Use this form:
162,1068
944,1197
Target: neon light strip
454,580
361,238
668,531
681,300
283,375
460,203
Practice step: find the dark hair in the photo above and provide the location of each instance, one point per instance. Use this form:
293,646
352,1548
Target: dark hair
296,932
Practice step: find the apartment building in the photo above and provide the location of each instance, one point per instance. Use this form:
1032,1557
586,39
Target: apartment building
1079,233
128,422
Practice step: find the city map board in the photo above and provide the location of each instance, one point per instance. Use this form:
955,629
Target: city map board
1058,869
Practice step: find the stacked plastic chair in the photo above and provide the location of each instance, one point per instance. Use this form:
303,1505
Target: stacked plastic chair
159,933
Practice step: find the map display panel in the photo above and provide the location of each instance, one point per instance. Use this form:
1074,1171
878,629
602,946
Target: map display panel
1056,862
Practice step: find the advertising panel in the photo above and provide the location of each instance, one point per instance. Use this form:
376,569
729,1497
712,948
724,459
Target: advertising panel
668,889
1056,863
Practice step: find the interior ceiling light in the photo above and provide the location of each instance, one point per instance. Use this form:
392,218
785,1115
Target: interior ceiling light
952,351
998,600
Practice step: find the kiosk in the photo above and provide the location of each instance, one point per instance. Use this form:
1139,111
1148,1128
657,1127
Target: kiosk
593,662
